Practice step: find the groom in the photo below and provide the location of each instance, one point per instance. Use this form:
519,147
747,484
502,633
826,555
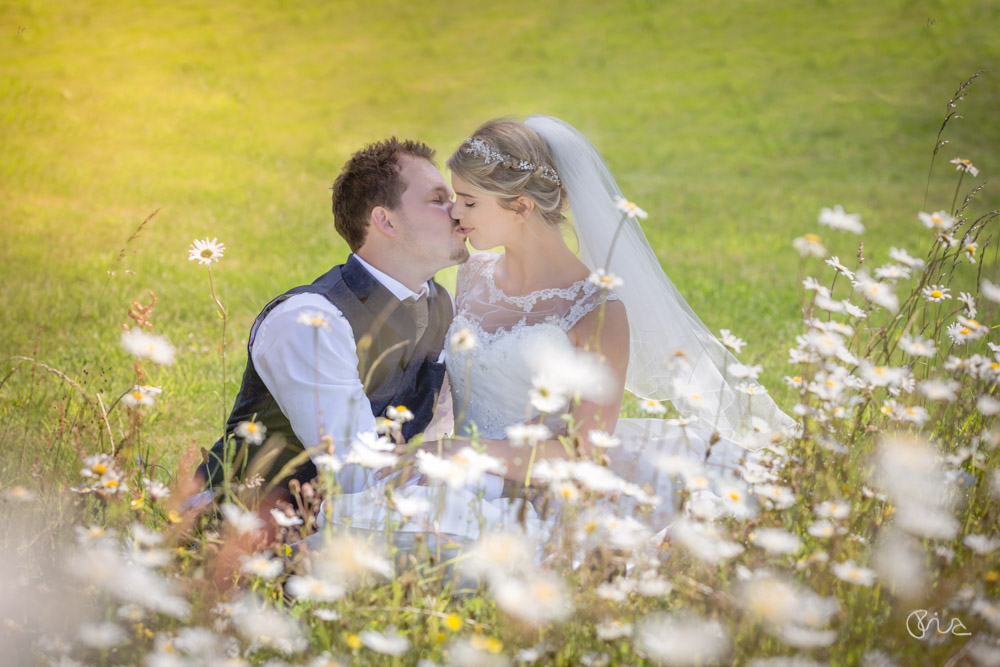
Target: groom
326,359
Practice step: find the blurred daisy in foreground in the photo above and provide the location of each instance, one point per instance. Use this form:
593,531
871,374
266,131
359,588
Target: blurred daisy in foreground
853,574
837,219
145,345
683,640
810,245
900,255
538,599
877,292
990,291
939,220
630,208
251,432
314,319
917,346
605,280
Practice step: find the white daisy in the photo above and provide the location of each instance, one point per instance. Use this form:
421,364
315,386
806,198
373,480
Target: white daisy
939,220
840,268
630,208
602,439
605,280
900,255
144,395
961,164
145,345
262,566
732,342
251,432
527,435
838,219
547,395
940,390
990,291
314,319
917,346
969,302
877,292
206,251
853,574
463,340
284,520
936,293
776,540
970,247
809,245
892,272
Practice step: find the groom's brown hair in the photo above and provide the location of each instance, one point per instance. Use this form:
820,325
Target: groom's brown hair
371,178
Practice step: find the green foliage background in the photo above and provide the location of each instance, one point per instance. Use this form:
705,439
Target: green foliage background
731,123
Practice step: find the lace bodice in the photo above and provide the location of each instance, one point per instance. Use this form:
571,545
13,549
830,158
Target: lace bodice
490,383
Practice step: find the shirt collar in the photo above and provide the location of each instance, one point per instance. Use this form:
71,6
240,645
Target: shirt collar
398,289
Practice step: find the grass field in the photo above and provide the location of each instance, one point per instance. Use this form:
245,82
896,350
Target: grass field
732,124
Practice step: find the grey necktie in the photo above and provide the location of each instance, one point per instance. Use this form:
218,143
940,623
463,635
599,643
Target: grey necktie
417,307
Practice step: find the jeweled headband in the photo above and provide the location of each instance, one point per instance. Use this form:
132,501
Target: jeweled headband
478,147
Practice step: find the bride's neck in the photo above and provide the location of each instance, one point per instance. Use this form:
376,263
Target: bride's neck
539,260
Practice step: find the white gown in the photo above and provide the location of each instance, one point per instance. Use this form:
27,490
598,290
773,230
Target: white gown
490,383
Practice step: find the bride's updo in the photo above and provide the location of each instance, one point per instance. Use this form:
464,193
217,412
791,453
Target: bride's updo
507,160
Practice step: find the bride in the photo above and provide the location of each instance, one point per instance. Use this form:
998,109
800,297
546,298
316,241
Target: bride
544,343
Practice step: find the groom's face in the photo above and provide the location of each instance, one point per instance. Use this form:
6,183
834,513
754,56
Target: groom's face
426,228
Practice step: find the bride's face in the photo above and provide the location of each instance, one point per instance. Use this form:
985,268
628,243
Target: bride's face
484,220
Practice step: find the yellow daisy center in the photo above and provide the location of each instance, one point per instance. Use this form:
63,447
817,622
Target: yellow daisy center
99,468
207,252
112,484
937,294
137,395
812,238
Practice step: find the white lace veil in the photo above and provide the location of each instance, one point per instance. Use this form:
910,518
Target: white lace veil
672,355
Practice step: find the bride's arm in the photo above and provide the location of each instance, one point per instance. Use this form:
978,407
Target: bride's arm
603,332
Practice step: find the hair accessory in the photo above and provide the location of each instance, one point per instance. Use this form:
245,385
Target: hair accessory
490,155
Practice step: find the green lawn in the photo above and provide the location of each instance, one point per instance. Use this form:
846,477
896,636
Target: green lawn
731,123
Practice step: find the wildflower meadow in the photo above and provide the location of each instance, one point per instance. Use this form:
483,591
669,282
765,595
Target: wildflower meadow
869,533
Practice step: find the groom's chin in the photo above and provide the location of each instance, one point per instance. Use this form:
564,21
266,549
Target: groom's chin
461,255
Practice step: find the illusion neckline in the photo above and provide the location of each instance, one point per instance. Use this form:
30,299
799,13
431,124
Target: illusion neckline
527,301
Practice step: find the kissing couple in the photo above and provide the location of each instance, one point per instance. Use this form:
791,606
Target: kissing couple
526,367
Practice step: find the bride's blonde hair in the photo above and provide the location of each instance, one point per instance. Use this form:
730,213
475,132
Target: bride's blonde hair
507,159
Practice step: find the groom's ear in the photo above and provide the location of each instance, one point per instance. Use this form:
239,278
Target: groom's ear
381,220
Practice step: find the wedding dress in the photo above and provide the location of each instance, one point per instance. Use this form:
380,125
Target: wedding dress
513,337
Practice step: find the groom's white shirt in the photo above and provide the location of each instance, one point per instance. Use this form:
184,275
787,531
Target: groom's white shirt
313,372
